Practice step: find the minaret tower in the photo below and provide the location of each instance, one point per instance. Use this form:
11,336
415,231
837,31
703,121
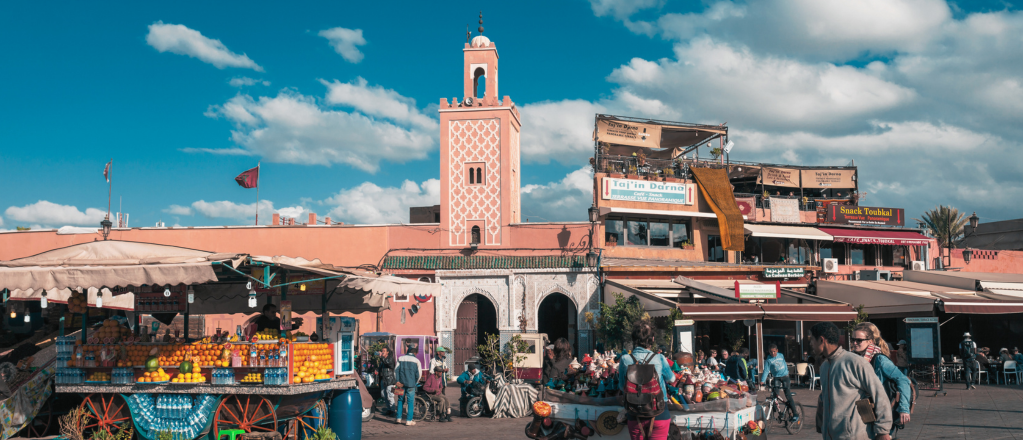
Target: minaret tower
479,154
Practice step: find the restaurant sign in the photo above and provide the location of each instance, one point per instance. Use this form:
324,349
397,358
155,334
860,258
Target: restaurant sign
864,215
784,272
646,191
758,291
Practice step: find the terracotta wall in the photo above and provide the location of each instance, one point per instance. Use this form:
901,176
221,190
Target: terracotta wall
1001,262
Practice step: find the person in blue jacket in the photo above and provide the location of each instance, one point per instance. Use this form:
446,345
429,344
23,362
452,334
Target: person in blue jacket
867,342
776,367
466,380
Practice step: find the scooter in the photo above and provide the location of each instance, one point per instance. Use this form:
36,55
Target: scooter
481,399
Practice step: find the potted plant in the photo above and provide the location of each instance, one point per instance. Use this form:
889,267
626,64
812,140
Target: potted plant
612,241
687,245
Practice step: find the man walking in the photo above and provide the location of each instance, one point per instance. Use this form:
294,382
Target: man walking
776,366
408,372
968,351
848,383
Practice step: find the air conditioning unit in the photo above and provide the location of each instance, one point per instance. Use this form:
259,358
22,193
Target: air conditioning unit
856,275
831,265
917,265
874,275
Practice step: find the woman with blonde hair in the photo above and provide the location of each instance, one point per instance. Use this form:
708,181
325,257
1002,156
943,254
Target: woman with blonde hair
866,341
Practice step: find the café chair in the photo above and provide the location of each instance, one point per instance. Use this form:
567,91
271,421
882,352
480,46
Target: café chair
1011,369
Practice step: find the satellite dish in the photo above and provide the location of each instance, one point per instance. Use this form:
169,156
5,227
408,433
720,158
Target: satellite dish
728,146
467,101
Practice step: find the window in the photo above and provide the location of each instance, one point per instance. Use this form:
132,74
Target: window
613,232
680,234
479,175
475,235
637,232
715,252
401,297
472,177
479,82
857,253
899,256
660,233
475,173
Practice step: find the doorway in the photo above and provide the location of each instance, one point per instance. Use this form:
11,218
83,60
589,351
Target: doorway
476,318
557,318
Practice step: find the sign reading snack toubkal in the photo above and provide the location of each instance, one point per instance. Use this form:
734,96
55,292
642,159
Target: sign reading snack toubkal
646,191
865,215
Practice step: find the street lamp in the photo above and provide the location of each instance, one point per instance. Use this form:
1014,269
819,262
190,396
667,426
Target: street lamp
591,258
106,224
974,220
594,214
967,254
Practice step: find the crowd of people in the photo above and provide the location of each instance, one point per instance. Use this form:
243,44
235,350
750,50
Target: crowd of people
980,359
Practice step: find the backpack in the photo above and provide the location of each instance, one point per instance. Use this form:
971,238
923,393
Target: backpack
968,350
891,388
643,394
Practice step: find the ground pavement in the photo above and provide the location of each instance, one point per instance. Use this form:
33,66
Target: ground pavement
989,412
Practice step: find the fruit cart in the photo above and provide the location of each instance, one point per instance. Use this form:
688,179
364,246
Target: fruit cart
183,387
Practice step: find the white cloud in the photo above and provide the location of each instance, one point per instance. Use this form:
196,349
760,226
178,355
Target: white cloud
178,210
52,214
244,81
564,200
345,42
377,101
294,128
291,212
1,221
220,151
181,40
559,130
237,211
371,204
622,8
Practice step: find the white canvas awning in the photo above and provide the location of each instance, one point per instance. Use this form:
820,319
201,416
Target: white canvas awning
798,232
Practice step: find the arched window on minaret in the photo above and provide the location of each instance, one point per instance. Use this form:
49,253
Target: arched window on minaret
475,235
479,175
472,176
479,82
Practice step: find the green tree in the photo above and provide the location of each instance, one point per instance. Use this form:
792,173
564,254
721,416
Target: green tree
613,323
861,316
945,224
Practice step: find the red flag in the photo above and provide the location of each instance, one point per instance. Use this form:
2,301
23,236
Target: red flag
249,179
106,170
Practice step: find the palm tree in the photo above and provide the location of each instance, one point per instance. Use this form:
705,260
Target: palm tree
945,224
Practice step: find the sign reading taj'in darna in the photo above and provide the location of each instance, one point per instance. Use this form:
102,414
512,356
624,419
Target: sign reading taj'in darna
647,191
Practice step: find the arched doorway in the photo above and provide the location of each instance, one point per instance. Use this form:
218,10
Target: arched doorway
476,318
557,317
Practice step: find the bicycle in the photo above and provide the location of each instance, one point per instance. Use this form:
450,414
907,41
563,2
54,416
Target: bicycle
775,407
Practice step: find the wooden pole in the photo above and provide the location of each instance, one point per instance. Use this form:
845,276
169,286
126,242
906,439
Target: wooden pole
760,345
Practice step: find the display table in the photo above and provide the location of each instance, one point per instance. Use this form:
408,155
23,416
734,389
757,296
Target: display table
203,388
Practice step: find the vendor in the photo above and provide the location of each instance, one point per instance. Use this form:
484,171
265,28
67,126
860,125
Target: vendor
269,319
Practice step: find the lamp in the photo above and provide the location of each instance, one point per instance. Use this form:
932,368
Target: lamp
594,214
14,314
968,254
106,224
27,317
302,287
166,291
191,295
591,258
974,220
252,299
42,300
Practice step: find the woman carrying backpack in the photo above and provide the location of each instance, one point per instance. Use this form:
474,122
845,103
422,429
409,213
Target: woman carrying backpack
867,342
642,375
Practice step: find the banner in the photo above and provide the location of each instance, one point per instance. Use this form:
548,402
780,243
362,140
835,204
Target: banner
784,210
786,177
628,133
784,272
632,190
828,178
863,215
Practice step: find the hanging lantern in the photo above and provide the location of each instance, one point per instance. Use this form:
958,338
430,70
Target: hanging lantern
252,299
302,287
14,314
27,318
99,299
42,300
167,292
191,295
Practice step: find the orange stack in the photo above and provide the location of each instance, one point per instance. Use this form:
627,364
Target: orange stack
311,362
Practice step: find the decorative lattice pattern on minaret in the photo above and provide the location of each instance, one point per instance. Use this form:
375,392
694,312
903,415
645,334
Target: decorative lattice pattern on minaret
477,140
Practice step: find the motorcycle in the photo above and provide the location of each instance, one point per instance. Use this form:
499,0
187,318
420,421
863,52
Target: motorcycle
482,396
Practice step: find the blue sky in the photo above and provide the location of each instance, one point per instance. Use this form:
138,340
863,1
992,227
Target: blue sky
924,95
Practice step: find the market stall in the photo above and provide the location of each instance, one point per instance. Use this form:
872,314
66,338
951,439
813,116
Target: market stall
270,380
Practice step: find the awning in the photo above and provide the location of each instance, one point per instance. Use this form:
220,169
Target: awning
882,299
808,312
655,305
721,312
717,192
981,306
799,232
605,210
872,236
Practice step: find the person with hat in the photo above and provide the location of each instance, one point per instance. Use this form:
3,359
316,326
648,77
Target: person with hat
466,380
968,351
440,369
1017,356
985,363
902,357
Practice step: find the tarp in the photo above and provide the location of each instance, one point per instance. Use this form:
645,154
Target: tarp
873,236
112,264
513,400
720,312
653,134
717,191
799,232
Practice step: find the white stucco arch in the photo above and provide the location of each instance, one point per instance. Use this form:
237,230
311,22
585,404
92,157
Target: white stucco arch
465,294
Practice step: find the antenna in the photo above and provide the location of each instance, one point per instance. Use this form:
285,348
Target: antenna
468,35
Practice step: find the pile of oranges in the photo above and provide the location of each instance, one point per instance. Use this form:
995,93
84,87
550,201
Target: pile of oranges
312,362
156,376
193,377
137,355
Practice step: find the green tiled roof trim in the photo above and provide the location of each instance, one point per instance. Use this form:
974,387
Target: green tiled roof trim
483,262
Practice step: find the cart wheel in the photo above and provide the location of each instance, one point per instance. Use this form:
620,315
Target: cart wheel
41,423
304,426
104,412
245,412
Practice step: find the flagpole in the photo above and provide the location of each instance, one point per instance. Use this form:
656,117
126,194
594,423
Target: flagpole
257,193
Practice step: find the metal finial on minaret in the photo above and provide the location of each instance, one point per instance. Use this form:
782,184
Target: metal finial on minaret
468,35
481,23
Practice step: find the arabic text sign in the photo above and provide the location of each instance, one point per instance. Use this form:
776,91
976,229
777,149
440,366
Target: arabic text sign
647,191
784,272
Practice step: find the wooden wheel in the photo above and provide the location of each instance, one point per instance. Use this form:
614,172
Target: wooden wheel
304,426
246,412
105,412
41,423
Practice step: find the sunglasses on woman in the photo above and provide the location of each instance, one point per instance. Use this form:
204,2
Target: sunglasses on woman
858,340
